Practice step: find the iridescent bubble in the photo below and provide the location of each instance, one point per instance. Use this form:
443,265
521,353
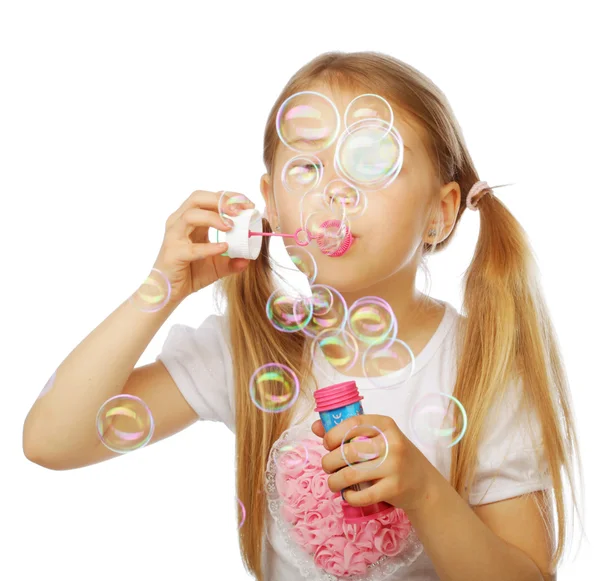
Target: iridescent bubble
329,310
289,312
274,387
364,443
232,203
371,320
389,364
292,457
153,294
339,350
438,419
308,122
304,261
124,423
342,198
367,107
369,154
49,385
241,514
302,174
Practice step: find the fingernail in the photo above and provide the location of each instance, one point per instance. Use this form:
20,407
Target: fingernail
228,222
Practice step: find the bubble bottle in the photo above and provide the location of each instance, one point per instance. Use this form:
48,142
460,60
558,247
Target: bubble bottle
335,404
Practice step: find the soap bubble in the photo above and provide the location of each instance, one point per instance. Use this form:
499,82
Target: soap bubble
338,348
329,310
124,423
231,203
302,174
304,261
438,419
241,514
344,199
308,122
292,457
372,321
364,443
153,294
289,312
369,154
368,106
389,364
274,387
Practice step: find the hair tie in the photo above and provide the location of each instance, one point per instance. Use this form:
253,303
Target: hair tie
477,192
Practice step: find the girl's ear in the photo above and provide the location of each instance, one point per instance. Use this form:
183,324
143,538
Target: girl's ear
266,189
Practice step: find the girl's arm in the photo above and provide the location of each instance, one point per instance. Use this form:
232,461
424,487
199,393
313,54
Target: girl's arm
502,541
60,430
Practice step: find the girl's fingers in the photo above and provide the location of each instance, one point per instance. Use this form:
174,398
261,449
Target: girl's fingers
356,452
192,252
367,472
210,201
197,218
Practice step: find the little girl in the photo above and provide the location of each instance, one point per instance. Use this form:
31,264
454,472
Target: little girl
482,508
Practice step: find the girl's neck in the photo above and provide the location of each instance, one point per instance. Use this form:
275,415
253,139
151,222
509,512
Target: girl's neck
415,312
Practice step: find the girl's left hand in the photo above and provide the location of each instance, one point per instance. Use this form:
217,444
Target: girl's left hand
403,478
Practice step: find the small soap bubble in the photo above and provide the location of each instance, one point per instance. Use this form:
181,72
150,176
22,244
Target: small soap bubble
292,457
389,364
289,312
438,419
368,106
344,199
308,122
124,423
153,294
362,444
369,154
232,203
329,310
49,385
372,321
302,174
274,387
241,513
338,348
303,260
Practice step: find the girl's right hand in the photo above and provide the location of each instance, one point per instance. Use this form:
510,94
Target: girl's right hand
187,258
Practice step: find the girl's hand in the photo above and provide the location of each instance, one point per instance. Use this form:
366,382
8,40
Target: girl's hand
187,258
402,478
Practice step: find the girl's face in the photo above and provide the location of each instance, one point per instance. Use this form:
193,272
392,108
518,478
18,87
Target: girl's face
389,234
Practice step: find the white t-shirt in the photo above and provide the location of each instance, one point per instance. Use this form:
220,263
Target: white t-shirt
510,460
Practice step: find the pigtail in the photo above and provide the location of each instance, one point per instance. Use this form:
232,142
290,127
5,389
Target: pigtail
508,334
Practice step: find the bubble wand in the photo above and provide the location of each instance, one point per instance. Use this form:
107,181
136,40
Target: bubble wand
321,239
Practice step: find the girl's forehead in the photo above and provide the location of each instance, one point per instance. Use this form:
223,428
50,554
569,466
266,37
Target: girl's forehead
343,97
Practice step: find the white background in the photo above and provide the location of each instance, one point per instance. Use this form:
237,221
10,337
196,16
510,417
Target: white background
113,112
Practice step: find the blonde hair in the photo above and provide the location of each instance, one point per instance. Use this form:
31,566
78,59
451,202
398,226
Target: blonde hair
506,328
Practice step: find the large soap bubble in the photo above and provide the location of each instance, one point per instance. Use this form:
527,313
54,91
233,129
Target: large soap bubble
308,122
124,423
369,154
